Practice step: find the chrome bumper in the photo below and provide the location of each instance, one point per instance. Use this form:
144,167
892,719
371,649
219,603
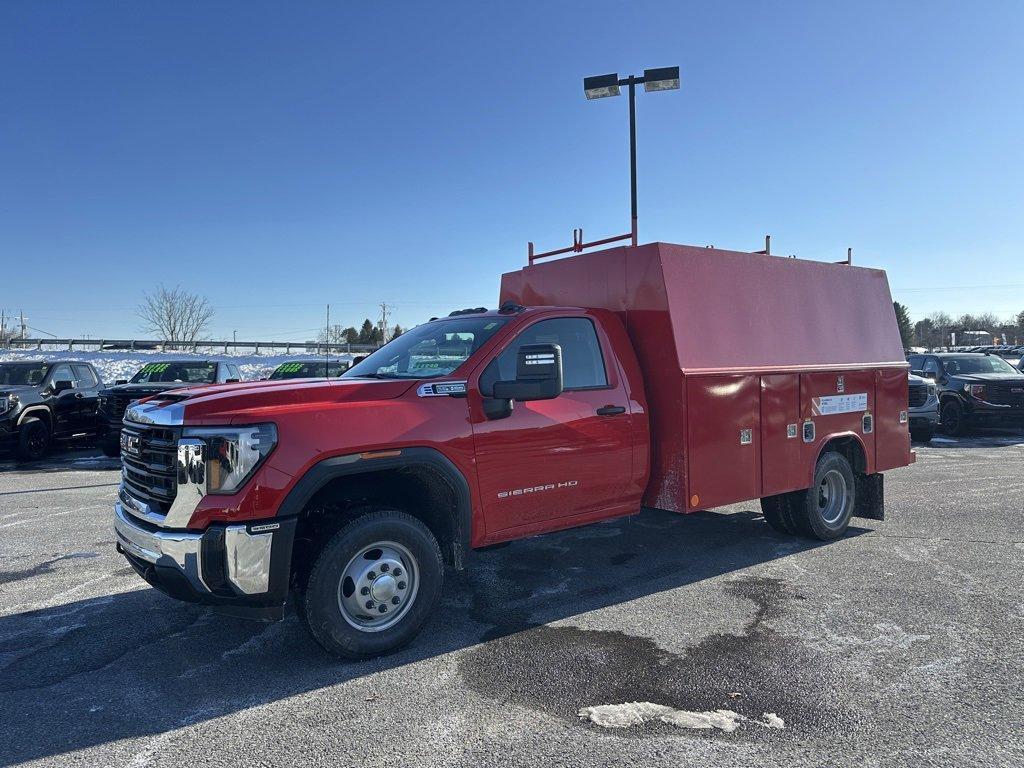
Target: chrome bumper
247,555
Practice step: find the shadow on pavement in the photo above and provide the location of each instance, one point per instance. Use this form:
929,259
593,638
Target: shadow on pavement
137,664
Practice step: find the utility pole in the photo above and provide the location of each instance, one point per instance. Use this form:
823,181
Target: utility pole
21,315
382,324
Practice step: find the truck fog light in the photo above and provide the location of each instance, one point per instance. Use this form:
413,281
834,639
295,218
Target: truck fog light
233,453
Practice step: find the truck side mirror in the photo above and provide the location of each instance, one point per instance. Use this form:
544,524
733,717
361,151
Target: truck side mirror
231,381
121,381
62,386
538,374
917,373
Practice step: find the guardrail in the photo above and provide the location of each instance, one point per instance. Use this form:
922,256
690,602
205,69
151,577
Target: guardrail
131,345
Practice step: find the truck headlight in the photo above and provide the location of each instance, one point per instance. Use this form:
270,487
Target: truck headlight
7,402
233,453
975,390
932,392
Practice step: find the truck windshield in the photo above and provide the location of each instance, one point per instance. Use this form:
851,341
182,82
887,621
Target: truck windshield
977,364
185,372
22,374
433,349
308,370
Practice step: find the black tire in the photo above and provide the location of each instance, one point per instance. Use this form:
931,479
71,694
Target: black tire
322,602
952,419
111,449
833,482
33,439
774,510
923,435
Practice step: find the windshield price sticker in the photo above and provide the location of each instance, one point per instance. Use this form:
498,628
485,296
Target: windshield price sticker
833,404
155,367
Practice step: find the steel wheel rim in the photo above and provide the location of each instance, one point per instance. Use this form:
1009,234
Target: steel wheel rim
833,495
378,586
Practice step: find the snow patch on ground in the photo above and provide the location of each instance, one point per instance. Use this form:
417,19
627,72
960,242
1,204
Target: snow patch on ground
639,712
113,365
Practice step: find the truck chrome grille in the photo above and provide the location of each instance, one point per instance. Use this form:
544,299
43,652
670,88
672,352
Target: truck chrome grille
918,396
149,463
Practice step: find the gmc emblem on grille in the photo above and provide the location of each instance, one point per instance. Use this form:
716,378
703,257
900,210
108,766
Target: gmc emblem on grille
129,443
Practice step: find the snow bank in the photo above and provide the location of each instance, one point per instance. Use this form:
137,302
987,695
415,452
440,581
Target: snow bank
113,365
639,712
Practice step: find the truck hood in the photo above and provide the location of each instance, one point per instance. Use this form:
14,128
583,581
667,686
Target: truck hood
984,377
17,390
223,403
142,389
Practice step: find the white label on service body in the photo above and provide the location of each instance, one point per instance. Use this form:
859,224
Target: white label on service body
832,404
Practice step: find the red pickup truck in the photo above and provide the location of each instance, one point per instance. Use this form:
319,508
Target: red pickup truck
665,376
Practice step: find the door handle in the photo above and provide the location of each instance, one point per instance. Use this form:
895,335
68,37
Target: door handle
610,410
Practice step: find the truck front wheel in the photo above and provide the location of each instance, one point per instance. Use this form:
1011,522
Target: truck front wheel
374,585
824,510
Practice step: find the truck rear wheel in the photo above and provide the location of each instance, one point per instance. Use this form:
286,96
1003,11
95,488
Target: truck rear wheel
373,586
776,512
824,510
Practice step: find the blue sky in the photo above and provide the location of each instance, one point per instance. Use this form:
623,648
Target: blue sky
279,156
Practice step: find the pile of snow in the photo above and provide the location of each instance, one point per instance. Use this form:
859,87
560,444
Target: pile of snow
113,365
639,712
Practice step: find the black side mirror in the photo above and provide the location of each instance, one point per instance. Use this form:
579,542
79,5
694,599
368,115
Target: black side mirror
917,373
358,359
120,381
62,386
538,374
231,381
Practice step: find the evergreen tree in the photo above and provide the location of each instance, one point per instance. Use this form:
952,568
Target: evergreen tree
367,333
350,335
399,330
903,321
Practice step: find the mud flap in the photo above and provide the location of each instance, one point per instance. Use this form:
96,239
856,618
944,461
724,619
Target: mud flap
870,496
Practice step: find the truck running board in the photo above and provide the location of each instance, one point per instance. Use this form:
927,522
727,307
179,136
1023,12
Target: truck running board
870,496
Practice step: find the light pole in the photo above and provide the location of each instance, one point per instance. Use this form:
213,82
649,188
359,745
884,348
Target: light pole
603,86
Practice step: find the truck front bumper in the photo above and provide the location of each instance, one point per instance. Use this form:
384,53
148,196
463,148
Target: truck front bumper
243,569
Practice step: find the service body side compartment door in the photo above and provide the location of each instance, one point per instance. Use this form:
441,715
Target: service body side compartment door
723,426
837,402
782,466
892,438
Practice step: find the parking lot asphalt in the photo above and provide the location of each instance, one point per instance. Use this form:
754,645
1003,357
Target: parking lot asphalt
899,645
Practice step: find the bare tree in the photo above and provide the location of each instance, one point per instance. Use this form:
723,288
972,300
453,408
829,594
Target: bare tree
174,314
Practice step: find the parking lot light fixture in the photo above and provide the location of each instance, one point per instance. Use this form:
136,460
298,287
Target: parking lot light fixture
663,79
603,86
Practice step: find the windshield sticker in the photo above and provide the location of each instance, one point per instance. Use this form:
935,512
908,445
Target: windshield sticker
155,367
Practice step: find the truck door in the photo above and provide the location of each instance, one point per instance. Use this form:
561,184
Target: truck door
552,459
65,405
89,389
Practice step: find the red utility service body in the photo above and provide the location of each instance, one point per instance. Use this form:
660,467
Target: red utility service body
729,342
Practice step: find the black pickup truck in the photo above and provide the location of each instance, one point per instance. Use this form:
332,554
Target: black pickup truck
974,389
152,379
42,401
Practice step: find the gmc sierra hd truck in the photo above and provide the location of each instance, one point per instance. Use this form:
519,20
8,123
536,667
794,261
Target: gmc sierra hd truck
662,376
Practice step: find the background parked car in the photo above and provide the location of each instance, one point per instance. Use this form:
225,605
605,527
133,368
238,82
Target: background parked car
42,401
309,369
923,409
152,379
974,389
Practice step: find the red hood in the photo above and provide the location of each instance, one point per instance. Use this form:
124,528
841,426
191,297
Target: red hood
225,403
